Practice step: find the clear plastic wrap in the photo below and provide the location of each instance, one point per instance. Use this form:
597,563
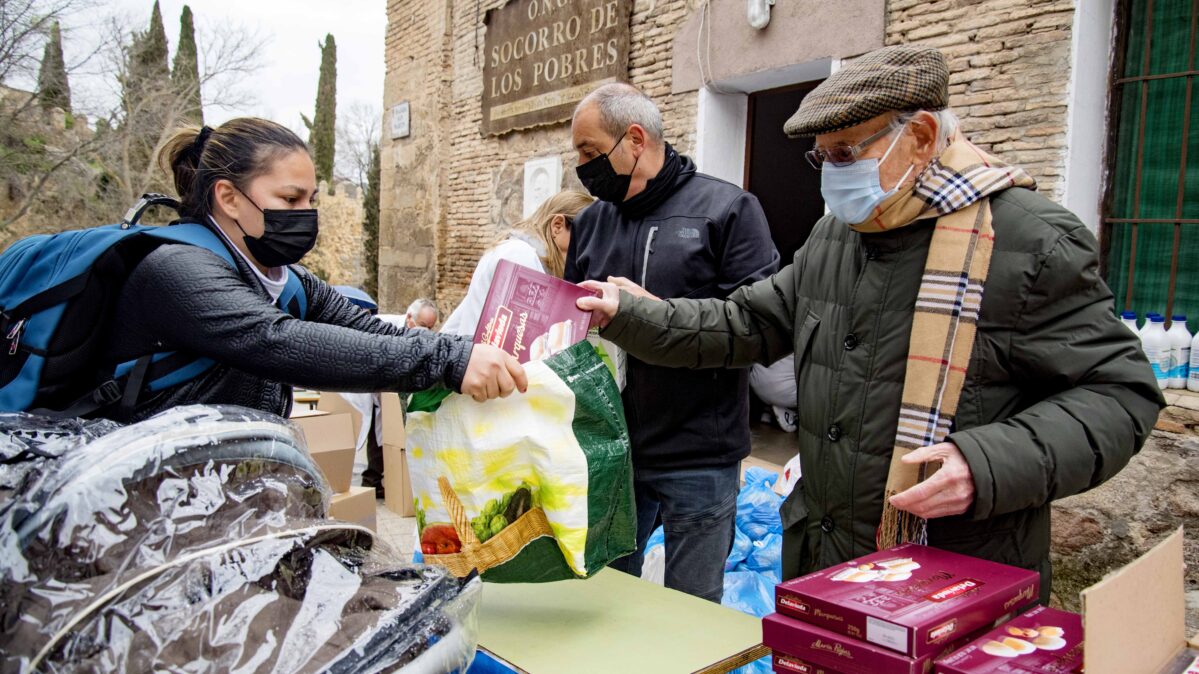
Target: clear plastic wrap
197,541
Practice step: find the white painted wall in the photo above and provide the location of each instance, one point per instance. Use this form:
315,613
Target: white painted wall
1091,54
721,119
720,135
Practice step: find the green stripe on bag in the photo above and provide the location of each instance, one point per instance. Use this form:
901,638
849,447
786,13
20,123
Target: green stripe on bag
544,479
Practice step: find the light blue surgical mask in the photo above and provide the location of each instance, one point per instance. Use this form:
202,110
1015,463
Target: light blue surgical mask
852,192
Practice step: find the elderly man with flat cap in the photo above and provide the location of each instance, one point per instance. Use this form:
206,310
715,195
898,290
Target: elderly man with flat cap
958,359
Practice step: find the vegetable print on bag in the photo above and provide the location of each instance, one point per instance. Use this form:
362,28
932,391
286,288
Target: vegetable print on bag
531,488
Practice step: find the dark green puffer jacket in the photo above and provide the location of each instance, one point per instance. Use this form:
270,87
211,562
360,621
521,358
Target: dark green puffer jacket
1057,399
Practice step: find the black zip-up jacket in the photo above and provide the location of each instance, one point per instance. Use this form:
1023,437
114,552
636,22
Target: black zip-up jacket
187,299
687,235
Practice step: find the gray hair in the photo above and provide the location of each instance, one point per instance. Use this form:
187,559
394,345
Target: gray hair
947,123
420,305
621,105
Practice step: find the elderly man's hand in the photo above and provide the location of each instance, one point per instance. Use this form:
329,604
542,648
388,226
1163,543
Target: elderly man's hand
631,288
950,490
602,308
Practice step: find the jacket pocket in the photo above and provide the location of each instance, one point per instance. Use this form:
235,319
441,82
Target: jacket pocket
803,339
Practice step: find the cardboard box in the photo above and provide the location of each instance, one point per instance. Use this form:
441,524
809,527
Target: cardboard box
331,441
751,462
305,411
397,485
1135,618
816,648
333,403
357,505
1041,641
911,599
391,414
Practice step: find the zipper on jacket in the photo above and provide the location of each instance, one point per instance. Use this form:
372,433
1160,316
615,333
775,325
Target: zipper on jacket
649,250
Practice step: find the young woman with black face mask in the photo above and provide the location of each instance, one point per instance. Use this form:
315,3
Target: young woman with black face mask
253,183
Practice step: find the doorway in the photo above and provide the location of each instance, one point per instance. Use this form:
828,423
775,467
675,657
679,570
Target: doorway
776,171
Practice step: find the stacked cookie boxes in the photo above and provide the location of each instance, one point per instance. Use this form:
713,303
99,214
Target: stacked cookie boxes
1041,641
331,440
891,612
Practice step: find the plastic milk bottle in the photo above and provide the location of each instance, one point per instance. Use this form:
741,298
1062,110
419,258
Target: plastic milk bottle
1180,351
1129,319
1156,345
1193,374
1148,322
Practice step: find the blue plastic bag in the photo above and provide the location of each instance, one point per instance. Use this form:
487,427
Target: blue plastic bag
656,538
748,592
742,546
766,557
758,505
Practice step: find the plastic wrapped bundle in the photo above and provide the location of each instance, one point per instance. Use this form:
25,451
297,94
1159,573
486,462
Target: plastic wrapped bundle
28,443
196,541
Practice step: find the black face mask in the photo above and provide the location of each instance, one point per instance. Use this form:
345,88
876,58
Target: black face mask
287,235
601,180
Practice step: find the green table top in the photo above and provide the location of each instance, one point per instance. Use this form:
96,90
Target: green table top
613,622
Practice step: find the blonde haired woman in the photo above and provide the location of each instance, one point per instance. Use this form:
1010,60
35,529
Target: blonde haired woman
539,242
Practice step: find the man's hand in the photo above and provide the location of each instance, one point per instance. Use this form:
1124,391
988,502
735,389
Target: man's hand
631,288
950,490
491,373
602,308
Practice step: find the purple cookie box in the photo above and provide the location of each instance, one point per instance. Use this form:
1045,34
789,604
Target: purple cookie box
523,304
973,659
797,644
789,664
934,599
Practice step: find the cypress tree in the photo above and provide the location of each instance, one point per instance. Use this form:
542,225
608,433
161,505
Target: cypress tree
321,128
370,225
145,93
52,88
151,51
185,74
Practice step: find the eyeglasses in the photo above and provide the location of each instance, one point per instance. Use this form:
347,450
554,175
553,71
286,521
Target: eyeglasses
843,155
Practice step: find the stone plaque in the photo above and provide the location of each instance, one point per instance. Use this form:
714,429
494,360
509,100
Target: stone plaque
543,56
399,120
543,179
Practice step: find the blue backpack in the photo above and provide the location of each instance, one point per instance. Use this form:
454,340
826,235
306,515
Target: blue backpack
58,293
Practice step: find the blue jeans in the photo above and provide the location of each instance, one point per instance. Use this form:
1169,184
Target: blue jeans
698,507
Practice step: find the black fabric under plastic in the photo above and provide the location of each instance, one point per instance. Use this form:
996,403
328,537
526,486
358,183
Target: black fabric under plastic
197,541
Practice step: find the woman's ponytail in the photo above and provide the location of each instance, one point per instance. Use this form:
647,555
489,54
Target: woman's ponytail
238,151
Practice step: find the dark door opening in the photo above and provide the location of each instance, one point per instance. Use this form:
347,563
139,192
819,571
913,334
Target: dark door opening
776,171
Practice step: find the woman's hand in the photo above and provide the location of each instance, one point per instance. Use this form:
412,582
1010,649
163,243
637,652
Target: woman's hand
491,373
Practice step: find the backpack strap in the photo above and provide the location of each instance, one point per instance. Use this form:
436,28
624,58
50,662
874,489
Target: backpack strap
293,300
164,370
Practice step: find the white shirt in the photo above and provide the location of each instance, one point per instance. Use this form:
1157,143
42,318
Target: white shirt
519,249
275,278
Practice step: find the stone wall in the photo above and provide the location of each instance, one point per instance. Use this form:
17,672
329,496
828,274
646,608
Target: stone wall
449,191
1009,63
338,255
1101,530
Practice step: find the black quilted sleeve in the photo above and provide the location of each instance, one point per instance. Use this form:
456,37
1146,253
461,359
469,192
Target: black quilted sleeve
195,302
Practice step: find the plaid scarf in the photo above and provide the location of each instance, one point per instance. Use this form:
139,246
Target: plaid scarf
955,189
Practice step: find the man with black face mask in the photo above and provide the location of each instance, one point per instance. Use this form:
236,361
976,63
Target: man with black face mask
677,233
